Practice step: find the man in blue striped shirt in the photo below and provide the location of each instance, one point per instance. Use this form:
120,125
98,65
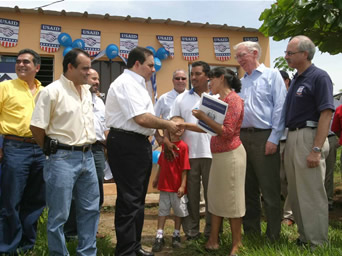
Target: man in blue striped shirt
263,91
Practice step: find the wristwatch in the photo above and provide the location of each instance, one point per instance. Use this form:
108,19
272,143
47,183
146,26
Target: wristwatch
316,149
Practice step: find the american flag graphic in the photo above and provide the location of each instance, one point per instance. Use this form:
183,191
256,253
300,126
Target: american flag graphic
127,43
9,31
92,41
167,43
190,48
49,38
222,48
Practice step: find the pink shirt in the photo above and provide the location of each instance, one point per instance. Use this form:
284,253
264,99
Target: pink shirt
230,138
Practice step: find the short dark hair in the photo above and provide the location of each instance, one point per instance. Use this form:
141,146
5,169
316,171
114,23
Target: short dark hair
205,66
177,117
138,54
229,76
36,56
71,57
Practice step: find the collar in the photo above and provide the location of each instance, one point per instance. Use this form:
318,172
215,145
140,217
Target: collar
259,69
306,72
36,82
72,85
136,77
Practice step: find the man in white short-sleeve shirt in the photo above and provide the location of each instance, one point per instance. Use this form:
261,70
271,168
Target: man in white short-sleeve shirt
130,116
164,103
199,149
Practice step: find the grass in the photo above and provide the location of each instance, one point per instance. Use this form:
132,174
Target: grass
252,246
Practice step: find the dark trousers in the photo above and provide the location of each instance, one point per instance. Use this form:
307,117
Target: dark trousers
23,195
70,227
130,159
262,175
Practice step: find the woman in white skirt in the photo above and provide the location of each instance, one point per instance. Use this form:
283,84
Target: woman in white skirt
226,189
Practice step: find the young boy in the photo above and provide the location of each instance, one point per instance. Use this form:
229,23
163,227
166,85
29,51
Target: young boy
171,180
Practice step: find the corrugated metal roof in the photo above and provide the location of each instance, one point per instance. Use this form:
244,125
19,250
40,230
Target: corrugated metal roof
128,18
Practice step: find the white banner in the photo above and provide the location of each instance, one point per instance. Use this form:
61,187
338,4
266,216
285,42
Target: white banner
221,48
190,48
92,41
49,38
167,43
9,32
127,43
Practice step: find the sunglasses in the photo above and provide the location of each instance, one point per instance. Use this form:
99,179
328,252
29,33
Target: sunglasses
180,78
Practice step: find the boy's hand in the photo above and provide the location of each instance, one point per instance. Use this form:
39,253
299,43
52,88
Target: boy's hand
180,192
155,183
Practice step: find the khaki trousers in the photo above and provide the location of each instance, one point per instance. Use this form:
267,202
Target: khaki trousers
306,190
200,168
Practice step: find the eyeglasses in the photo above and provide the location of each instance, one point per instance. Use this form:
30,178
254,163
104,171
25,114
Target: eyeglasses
241,55
180,78
25,62
289,53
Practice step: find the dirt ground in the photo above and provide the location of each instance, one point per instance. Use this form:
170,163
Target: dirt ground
106,225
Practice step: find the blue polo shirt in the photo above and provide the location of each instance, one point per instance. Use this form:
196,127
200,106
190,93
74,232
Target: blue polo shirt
309,94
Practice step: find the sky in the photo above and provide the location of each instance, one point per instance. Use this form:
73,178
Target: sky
233,13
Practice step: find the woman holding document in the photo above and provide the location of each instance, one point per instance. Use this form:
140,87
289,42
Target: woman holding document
226,189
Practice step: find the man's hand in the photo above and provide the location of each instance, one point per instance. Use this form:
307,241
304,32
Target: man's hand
172,127
313,159
270,148
180,192
1,154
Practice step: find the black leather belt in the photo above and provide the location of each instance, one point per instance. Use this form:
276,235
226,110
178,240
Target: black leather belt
128,132
252,129
298,128
83,148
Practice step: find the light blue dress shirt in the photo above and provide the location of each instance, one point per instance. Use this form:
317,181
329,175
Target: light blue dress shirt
264,94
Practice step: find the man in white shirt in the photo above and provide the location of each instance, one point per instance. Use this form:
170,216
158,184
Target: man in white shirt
164,103
199,149
131,118
64,114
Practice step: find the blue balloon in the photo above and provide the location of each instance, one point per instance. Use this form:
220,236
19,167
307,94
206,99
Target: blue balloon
162,53
112,51
157,64
151,49
65,39
155,156
66,50
78,43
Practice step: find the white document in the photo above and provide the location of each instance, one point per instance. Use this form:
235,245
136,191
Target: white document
214,108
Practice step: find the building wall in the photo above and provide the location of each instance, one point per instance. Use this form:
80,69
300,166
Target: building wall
29,35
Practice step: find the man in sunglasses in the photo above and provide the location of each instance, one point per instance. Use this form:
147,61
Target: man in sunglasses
163,105
23,189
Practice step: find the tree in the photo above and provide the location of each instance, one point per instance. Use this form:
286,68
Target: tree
320,20
281,64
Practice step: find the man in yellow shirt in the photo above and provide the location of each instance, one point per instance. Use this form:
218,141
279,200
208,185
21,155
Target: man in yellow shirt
22,197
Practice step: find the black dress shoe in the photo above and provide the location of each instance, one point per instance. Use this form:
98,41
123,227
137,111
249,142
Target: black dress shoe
142,252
